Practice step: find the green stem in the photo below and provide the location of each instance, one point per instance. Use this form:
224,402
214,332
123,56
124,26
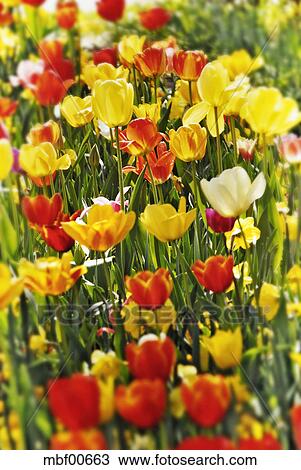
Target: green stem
120,175
218,144
190,93
137,96
153,182
233,136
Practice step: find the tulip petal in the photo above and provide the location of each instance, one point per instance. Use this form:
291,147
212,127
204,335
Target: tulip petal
196,113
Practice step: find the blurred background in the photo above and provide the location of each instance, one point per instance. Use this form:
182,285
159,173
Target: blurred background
85,5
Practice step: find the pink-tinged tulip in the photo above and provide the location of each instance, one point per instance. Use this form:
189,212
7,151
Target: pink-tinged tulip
289,147
246,148
218,223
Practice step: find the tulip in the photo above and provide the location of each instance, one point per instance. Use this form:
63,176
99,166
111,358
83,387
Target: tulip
55,236
218,223
215,274
165,223
33,3
103,72
106,55
6,18
246,148
243,234
7,159
88,439
11,287
266,442
74,401
188,65
7,107
150,290
161,163
205,443
269,300
188,143
142,403
48,132
225,347
140,137
148,111
4,132
77,111
111,10
155,18
128,47
240,63
207,399
212,87
293,278
112,102
231,193
41,160
289,147
66,13
50,276
296,424
50,90
152,358
151,62
268,113
104,229
40,210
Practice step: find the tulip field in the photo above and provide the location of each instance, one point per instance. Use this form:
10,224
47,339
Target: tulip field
150,225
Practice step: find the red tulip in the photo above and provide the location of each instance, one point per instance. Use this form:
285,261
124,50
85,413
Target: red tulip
142,403
111,10
33,3
90,439
267,442
296,424
150,290
6,18
152,359
206,399
50,89
106,55
66,13
206,443
152,62
188,65
140,137
7,107
155,18
218,223
215,274
40,210
74,401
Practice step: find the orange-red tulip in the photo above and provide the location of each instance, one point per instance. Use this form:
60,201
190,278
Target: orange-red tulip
90,439
188,65
106,55
33,3
142,403
47,132
52,53
111,10
151,62
206,398
40,210
206,443
150,290
215,274
6,18
267,442
75,401
66,13
153,358
50,89
155,18
296,424
7,107
161,162
140,137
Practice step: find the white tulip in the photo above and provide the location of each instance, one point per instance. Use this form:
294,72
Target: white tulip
232,192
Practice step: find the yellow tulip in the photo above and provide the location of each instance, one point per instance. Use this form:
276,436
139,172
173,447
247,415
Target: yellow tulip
268,113
128,47
231,193
240,62
239,388
38,342
269,298
236,93
212,87
41,160
225,347
10,287
107,400
165,223
105,365
188,143
243,233
293,278
104,229
77,111
50,276
148,111
112,102
6,161
92,73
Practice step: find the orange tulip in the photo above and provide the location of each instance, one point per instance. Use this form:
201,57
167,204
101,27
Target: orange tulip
142,403
161,163
151,62
40,210
140,137
152,358
188,65
206,398
66,13
6,18
48,132
50,89
87,439
150,290
215,274
7,107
